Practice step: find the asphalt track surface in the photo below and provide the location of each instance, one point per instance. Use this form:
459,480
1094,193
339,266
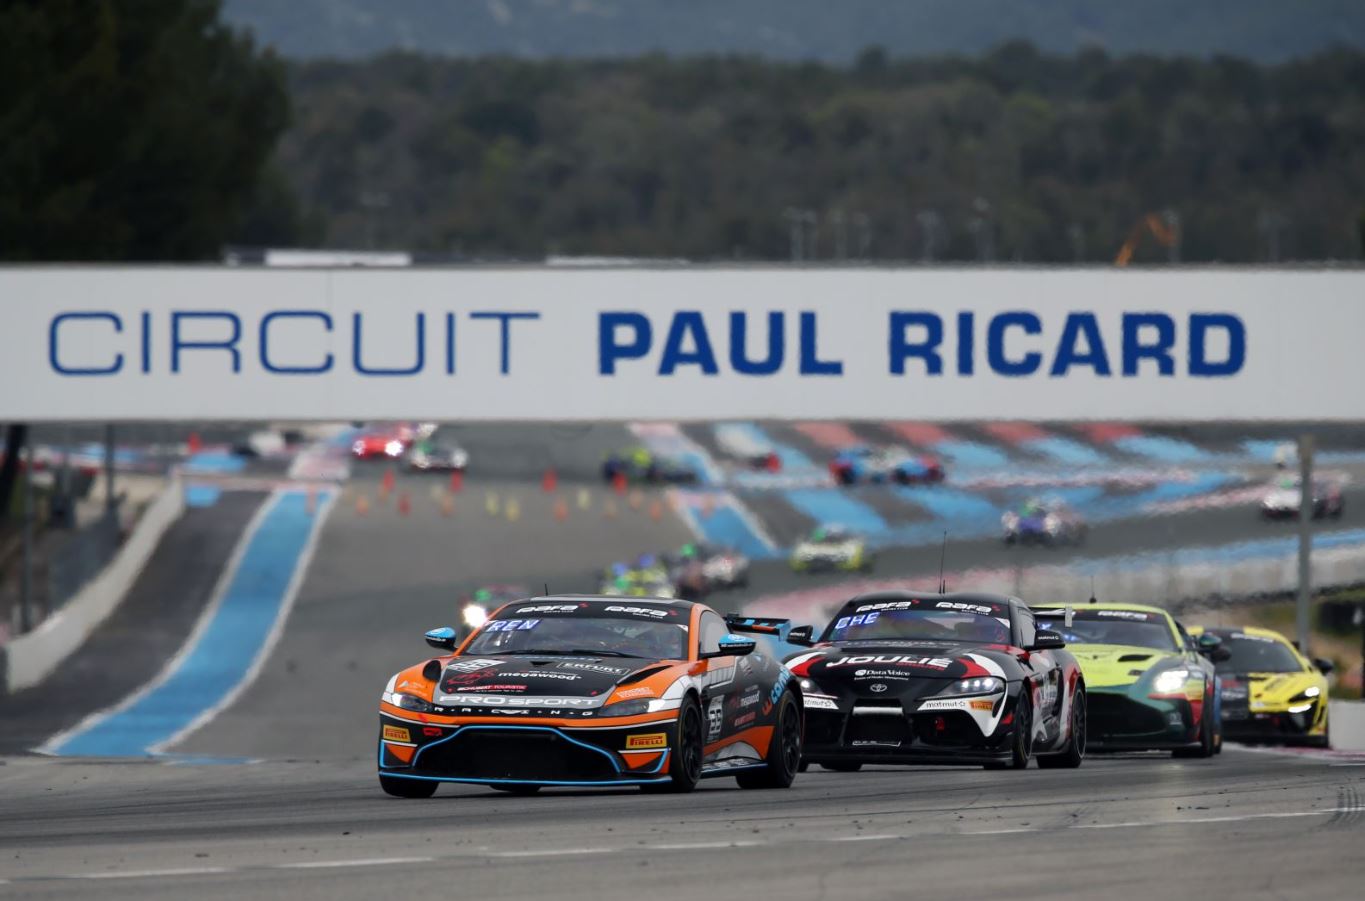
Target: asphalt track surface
308,820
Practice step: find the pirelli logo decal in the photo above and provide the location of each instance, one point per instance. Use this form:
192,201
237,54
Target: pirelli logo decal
396,733
648,742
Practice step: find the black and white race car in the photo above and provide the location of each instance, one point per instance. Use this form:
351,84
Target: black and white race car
965,678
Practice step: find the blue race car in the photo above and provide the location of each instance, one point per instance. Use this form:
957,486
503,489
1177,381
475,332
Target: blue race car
866,463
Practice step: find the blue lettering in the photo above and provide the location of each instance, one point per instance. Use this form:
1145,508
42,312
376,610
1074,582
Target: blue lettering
265,342
1078,324
54,359
811,364
609,349
966,343
739,333
505,319
146,341
995,344
687,322
1200,365
230,344
357,324
450,343
926,349
1134,349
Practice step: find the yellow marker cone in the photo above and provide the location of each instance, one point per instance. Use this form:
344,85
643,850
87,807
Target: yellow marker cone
584,499
513,510
490,503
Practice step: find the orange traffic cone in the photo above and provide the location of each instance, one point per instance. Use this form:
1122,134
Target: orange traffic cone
656,511
456,481
609,509
561,510
194,444
387,484
448,506
550,481
362,505
618,483
404,504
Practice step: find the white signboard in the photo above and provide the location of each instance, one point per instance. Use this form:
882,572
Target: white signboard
555,344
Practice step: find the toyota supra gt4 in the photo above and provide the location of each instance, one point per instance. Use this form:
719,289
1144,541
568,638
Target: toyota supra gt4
591,691
964,678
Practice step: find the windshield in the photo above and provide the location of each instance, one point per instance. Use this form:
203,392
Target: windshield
1133,628
612,630
1257,654
984,622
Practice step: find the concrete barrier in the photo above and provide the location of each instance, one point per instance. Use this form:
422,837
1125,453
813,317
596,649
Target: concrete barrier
1347,719
30,658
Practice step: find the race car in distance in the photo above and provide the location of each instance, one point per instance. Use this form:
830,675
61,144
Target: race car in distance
866,463
831,547
708,567
1282,500
389,442
647,577
430,456
583,691
1149,685
1270,692
1039,521
640,464
963,678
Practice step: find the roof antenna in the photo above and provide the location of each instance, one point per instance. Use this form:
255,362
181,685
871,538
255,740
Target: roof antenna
1092,588
547,589
942,552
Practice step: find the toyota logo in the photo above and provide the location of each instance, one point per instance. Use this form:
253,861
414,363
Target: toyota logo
878,688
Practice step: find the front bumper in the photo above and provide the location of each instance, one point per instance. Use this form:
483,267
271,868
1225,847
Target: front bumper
1275,726
528,753
827,564
1120,721
938,737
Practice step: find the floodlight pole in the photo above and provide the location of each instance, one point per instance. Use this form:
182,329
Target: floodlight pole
1305,538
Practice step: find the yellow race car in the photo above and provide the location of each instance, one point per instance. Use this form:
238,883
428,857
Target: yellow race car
1270,691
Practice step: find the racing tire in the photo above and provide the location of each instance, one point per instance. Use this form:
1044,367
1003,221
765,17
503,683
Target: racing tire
1074,753
684,770
407,788
1208,745
523,790
840,766
784,750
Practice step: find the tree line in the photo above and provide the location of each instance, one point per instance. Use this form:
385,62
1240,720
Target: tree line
1015,155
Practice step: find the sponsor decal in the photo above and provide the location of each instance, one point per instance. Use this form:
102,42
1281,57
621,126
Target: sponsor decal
862,674
602,668
746,718
1121,614
878,687
936,663
491,688
869,743
1047,694
451,683
983,609
889,605
638,611
647,742
541,674
470,666
549,608
981,704
500,711
819,702
396,733
783,677
943,704
541,703
715,717
642,691
749,699
510,625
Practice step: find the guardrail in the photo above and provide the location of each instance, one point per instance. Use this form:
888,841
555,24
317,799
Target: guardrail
29,658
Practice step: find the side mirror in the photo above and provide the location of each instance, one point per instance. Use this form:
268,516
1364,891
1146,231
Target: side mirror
1211,646
1046,640
736,645
443,639
1324,665
802,635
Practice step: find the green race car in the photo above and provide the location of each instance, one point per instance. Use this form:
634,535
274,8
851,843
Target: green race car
1150,685
831,547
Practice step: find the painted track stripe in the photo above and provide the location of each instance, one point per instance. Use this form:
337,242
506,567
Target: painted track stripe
228,646
923,434
154,874
832,505
832,435
370,862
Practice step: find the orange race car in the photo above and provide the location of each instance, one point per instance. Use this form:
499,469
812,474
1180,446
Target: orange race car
578,690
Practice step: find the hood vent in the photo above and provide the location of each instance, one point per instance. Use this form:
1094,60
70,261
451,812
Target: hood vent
643,673
432,671
1134,658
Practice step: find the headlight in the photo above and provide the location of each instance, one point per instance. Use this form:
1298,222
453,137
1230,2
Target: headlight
1052,524
633,707
1307,694
980,685
409,702
807,685
394,448
1009,521
474,615
1171,680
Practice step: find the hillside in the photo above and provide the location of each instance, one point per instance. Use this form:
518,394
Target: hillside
1263,30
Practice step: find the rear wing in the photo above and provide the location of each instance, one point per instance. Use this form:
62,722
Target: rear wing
773,627
1053,611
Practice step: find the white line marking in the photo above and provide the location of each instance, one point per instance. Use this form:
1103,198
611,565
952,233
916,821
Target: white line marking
365,862
53,744
700,846
324,501
152,874
865,838
557,852
999,832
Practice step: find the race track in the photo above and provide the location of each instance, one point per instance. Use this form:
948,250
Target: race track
275,796
1245,825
